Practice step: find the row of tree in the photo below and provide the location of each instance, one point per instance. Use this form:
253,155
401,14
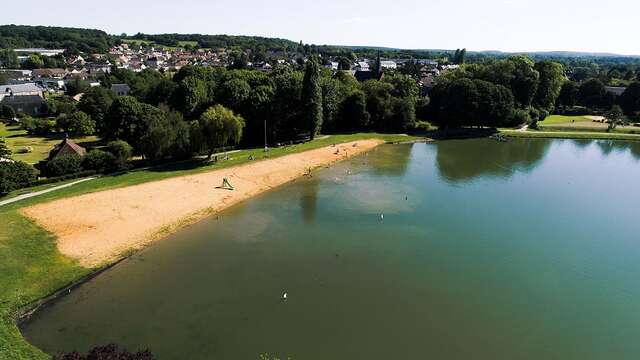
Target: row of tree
294,104
497,93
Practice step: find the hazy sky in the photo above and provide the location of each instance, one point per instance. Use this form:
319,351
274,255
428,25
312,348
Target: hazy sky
509,25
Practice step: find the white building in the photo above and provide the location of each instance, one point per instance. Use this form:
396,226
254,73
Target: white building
388,64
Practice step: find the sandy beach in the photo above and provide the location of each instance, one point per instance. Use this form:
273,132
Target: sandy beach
100,227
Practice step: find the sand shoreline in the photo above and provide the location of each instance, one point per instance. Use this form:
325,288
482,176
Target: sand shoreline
101,227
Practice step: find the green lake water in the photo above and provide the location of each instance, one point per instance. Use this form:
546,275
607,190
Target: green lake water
528,249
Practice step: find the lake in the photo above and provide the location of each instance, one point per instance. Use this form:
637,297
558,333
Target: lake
528,249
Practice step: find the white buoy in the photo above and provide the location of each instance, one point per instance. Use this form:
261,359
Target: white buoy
284,296
381,216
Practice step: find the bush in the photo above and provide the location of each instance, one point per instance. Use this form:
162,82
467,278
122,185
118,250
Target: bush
100,161
120,149
77,123
7,112
519,117
52,180
108,352
15,175
423,126
63,165
36,126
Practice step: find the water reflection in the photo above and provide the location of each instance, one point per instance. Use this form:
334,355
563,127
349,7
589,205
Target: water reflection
463,160
309,200
390,160
607,146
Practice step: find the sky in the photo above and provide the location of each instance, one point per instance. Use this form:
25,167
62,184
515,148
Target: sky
506,25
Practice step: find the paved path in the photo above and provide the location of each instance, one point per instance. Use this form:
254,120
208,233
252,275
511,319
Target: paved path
36,193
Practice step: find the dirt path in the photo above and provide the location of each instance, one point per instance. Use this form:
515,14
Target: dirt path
98,228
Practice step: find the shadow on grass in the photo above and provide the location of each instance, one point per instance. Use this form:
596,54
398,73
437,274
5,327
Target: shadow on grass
189,164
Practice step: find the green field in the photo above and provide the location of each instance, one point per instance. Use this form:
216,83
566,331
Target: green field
30,266
576,127
561,119
18,140
569,135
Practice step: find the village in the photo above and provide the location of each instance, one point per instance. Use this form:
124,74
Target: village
27,89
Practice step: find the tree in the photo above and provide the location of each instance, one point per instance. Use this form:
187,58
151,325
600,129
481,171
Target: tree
630,99
77,86
15,175
353,113
191,95
379,103
591,93
8,59
234,93
5,152
615,117
239,60
123,120
33,61
460,56
7,112
344,64
129,119
96,102
525,80
568,94
100,161
77,123
550,84
63,165
218,127
120,149
157,139
312,97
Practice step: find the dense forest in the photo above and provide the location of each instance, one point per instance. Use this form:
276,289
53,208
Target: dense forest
49,37
217,41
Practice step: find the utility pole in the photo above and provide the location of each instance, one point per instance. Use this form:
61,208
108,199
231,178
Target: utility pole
265,136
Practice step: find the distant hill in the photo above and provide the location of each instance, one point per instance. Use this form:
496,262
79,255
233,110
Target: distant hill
557,54
72,39
217,41
89,41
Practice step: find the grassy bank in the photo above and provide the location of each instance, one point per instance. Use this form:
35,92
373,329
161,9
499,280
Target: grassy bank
31,268
569,135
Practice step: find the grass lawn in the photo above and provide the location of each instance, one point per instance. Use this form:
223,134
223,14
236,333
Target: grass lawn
31,267
576,127
18,139
569,135
559,119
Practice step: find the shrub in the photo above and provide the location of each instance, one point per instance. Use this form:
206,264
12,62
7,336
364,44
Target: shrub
7,112
100,161
519,117
77,123
120,149
63,165
15,175
122,152
108,352
36,126
423,126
